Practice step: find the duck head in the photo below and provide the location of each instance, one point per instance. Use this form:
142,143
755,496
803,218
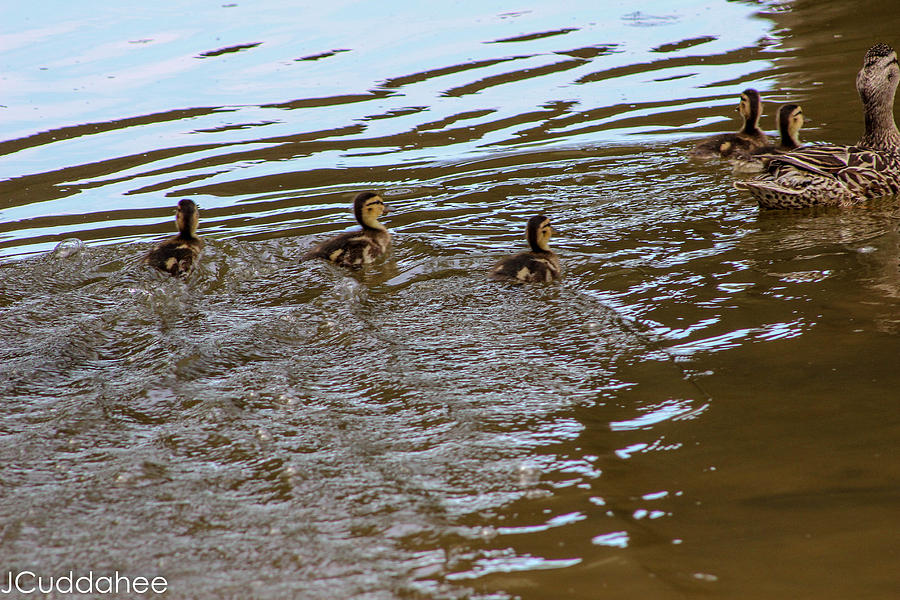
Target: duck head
876,83
750,109
367,207
187,218
790,121
538,233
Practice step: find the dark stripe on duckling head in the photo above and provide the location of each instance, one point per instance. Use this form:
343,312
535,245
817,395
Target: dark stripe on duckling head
784,119
533,232
785,111
751,95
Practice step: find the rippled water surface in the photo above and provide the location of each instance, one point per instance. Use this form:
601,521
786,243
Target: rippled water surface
704,407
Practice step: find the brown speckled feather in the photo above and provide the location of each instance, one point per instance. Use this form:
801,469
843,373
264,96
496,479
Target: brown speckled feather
354,248
527,267
175,256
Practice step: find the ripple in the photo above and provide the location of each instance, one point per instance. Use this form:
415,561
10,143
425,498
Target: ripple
511,564
669,410
733,339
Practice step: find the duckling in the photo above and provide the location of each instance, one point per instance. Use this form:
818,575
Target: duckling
541,264
834,175
747,139
177,254
789,121
356,248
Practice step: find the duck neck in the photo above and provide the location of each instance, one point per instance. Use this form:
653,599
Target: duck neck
372,224
187,228
878,107
538,245
789,139
751,122
881,129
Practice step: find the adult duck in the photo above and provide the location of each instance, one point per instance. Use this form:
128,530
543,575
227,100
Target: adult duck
833,175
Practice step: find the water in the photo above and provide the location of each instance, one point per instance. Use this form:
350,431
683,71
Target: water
704,406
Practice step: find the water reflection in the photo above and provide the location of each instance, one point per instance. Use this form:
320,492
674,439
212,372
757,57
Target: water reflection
670,409
424,109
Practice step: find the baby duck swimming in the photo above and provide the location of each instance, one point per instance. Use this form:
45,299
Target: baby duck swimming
360,247
789,121
746,140
541,264
177,254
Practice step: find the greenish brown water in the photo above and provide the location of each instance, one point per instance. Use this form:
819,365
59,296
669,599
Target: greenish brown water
704,407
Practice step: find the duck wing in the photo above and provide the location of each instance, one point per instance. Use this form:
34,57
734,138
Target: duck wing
828,160
822,159
529,267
